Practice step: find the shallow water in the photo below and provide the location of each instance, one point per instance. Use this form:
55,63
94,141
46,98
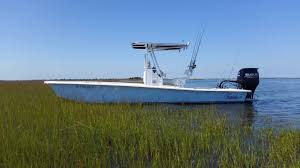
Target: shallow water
276,104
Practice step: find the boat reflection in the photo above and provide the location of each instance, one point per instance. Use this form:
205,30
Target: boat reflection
243,113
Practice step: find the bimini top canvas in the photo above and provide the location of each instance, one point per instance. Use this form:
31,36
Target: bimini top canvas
159,46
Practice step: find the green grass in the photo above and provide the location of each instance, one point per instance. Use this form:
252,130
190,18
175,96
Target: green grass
38,129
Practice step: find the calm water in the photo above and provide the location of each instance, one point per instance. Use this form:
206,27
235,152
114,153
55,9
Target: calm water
277,103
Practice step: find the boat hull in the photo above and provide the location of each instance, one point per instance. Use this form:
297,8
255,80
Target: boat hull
109,92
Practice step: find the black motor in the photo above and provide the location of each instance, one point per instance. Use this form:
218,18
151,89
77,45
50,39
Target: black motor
248,79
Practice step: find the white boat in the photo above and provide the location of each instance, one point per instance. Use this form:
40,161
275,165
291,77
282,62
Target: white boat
116,92
153,90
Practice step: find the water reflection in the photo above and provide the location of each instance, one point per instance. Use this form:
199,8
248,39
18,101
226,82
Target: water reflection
244,113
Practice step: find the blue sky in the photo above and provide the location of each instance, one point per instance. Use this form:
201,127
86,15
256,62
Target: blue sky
91,39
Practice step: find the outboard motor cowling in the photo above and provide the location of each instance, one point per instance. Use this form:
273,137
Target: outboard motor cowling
248,79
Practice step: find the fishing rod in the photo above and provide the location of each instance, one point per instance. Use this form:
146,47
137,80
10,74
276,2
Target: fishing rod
192,65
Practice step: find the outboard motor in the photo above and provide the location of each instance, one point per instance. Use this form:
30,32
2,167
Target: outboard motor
248,79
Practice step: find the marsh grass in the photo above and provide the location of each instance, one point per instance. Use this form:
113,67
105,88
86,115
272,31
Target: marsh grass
38,129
